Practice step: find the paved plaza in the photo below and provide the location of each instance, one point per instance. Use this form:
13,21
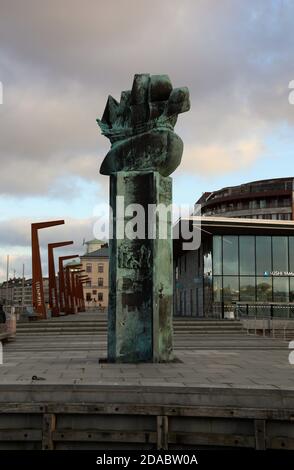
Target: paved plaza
211,360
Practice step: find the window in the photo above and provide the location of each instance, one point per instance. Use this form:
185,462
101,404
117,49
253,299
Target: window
291,253
280,253
262,203
88,297
197,302
217,254
263,255
254,204
207,258
251,269
264,289
100,268
94,292
100,281
230,288
100,296
247,255
291,296
230,254
89,268
281,289
88,284
247,288
217,288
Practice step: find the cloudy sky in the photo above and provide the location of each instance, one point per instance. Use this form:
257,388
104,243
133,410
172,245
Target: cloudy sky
60,59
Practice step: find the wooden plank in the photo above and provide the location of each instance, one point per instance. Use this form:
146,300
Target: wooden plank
162,432
286,443
21,408
20,435
49,423
104,436
260,434
212,439
149,410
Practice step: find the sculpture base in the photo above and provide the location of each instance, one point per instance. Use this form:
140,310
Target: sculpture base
141,282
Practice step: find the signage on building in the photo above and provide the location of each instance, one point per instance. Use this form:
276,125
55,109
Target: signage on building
278,273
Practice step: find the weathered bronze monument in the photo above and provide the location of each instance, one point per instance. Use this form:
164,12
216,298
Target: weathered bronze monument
144,152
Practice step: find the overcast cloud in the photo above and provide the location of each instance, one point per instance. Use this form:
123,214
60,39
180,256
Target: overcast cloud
59,60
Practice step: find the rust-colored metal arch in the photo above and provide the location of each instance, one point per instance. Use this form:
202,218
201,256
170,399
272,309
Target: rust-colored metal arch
37,276
53,296
63,296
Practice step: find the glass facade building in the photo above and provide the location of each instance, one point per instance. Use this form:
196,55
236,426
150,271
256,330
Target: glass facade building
249,269
240,265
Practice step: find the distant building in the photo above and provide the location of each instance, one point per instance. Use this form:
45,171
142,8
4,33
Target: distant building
266,199
13,292
93,245
95,262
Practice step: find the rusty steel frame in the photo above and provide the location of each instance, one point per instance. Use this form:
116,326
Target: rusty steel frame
82,280
37,276
53,293
63,299
70,292
75,279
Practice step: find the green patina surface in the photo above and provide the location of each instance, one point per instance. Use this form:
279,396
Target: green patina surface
144,152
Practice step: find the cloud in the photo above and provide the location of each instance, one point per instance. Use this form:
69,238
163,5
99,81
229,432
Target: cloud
60,60
221,159
17,232
15,240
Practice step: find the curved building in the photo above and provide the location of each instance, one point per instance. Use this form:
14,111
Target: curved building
264,199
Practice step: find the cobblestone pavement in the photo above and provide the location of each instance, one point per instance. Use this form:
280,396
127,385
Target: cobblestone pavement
210,360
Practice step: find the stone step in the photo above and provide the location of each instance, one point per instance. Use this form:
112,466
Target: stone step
104,332
215,334
38,326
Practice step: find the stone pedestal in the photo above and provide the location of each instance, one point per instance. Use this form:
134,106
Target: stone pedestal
140,290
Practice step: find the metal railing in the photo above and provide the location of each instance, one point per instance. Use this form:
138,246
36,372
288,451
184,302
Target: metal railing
264,310
266,318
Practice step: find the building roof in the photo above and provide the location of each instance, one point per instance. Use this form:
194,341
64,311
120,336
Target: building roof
101,253
248,189
73,263
95,240
230,226
238,221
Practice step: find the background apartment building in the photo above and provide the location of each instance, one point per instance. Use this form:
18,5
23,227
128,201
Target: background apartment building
265,199
18,292
95,262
